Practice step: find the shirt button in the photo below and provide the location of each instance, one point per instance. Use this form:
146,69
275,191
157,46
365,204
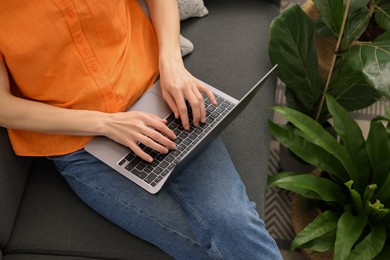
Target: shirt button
71,14
94,68
110,95
80,40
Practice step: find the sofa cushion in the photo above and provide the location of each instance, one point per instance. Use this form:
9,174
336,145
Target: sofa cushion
13,175
231,54
53,221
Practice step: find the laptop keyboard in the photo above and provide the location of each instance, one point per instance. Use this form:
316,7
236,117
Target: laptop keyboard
162,164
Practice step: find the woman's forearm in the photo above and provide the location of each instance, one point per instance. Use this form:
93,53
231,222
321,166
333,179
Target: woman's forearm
166,21
22,114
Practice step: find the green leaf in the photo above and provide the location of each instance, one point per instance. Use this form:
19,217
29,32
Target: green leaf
378,152
384,254
281,175
357,3
355,25
349,229
315,133
355,196
331,13
383,37
369,192
322,244
377,211
382,14
292,138
371,245
350,88
325,223
383,193
310,186
372,59
353,140
292,47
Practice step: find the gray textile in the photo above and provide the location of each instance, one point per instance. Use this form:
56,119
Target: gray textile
41,218
229,55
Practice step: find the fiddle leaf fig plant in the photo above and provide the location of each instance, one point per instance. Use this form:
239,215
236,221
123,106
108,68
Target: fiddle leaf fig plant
353,190
359,73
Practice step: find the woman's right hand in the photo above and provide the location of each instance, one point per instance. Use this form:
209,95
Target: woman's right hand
132,128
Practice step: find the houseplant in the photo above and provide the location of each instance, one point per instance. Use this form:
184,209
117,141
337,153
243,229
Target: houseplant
353,190
358,74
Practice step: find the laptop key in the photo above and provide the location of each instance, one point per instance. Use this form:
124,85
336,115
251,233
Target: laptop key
158,179
139,174
157,171
163,164
140,166
122,162
148,169
187,142
150,178
130,156
170,158
160,157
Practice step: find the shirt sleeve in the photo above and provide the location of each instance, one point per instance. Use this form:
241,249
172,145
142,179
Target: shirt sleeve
1,56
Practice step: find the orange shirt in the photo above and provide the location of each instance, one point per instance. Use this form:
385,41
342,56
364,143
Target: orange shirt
78,54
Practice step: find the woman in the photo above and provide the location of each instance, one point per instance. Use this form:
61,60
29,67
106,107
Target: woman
78,64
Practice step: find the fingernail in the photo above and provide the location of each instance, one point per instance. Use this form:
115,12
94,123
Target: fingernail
187,127
150,159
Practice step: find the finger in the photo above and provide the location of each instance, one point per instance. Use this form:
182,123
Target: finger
182,109
157,124
163,120
208,92
139,152
172,104
149,142
197,105
161,140
164,129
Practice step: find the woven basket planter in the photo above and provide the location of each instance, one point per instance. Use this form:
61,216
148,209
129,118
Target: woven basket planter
300,218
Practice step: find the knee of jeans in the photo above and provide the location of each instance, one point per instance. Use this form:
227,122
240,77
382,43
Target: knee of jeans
237,217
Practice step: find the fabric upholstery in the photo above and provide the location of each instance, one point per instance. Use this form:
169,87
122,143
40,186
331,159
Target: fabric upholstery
69,228
14,172
51,223
231,55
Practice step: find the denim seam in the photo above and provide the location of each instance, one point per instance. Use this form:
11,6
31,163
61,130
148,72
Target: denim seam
213,247
139,212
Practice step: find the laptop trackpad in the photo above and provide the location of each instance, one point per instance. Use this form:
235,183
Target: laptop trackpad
153,104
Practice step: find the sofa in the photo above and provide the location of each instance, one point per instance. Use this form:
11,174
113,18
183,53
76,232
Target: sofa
40,216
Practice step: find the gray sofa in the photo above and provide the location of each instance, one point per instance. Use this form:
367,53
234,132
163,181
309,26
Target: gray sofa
41,218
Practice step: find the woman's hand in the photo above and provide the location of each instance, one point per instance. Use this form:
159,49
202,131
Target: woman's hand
131,128
178,85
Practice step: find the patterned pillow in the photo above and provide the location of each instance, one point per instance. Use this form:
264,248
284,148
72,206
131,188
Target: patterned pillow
191,8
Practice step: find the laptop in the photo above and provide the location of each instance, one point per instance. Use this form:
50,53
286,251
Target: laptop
153,176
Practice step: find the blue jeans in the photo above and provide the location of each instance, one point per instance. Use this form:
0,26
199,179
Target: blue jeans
204,213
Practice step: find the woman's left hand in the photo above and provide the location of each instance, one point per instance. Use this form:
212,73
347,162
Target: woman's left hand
178,85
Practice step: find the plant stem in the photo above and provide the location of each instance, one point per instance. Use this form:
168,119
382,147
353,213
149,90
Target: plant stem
332,65
372,7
